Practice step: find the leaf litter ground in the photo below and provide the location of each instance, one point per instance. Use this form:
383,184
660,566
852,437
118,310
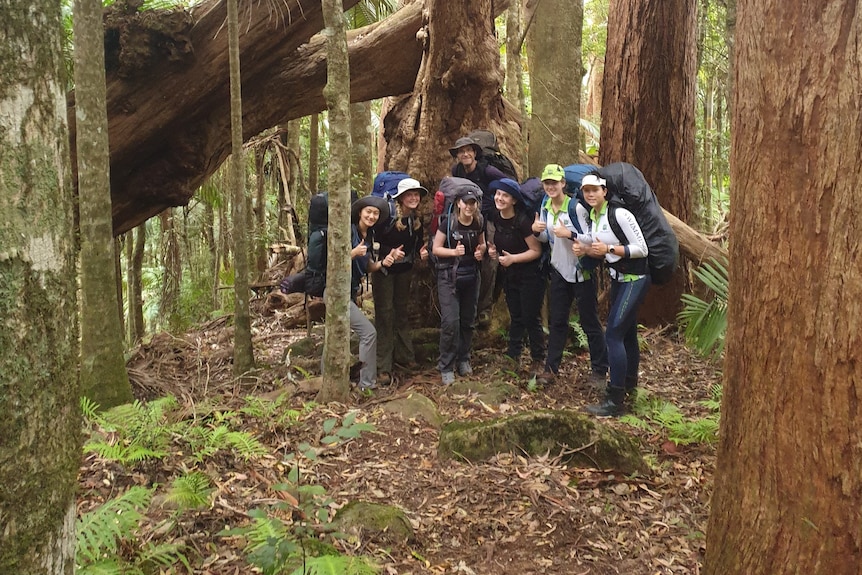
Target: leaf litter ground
510,515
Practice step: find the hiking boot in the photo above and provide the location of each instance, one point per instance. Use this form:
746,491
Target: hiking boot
447,377
597,380
537,367
612,406
367,386
464,368
546,379
384,378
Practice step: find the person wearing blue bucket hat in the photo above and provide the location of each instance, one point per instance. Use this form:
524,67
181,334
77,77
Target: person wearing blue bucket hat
517,251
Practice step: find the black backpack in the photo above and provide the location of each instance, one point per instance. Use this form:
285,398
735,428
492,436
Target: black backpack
492,154
315,259
629,189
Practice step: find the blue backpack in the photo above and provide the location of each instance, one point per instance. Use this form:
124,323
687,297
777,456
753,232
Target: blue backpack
386,186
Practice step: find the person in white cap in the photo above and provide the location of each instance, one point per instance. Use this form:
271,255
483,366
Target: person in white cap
627,289
403,241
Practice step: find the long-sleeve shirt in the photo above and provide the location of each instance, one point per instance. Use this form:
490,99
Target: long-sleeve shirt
562,258
634,244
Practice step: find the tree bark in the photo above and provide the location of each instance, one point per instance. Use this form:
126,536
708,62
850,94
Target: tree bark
788,484
135,265
555,79
103,368
515,73
40,430
362,150
648,104
336,349
243,354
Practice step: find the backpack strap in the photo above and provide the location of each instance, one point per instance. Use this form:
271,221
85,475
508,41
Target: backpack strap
625,266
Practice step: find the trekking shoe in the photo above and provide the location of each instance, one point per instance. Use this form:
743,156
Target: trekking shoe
597,380
464,368
547,378
384,378
607,408
367,386
537,367
447,377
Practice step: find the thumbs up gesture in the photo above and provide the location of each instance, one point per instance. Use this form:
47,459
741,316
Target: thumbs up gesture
506,259
492,251
398,253
459,249
539,225
562,231
479,252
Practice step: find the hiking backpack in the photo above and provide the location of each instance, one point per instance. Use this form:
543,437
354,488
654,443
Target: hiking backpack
492,154
574,175
386,186
444,206
629,189
315,258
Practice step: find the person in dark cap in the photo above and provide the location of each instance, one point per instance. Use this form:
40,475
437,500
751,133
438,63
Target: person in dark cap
365,215
459,246
404,240
470,164
517,250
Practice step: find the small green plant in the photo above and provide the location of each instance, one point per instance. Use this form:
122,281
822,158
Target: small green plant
705,322
133,432
191,491
580,334
207,440
653,414
106,534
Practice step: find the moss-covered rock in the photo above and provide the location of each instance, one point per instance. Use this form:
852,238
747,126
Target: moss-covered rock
536,433
384,524
415,405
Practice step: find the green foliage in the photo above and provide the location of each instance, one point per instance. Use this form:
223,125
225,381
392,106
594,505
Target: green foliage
270,413
285,537
135,432
349,429
109,531
705,322
369,12
654,415
580,336
191,491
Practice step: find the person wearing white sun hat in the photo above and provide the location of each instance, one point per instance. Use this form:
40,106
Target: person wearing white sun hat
403,241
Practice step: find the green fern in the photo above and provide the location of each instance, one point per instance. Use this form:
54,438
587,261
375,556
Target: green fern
101,530
336,565
706,321
191,491
653,415
123,453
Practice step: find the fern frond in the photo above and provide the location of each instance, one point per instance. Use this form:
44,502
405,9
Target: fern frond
191,491
163,555
246,445
336,565
100,530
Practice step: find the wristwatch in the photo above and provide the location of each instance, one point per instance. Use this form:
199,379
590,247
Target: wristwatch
611,250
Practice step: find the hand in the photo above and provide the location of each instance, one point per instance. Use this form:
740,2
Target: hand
579,249
597,249
423,252
539,226
492,251
359,251
506,259
398,253
562,231
480,251
459,249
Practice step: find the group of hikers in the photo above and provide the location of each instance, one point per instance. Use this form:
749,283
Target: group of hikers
490,238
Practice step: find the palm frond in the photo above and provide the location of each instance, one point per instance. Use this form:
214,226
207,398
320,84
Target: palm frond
706,321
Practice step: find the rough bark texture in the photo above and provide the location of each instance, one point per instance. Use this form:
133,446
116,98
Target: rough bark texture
457,89
243,355
40,429
336,356
648,104
555,79
788,489
103,368
361,152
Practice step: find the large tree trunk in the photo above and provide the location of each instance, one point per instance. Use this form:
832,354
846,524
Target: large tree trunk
648,112
40,427
103,368
788,487
555,79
